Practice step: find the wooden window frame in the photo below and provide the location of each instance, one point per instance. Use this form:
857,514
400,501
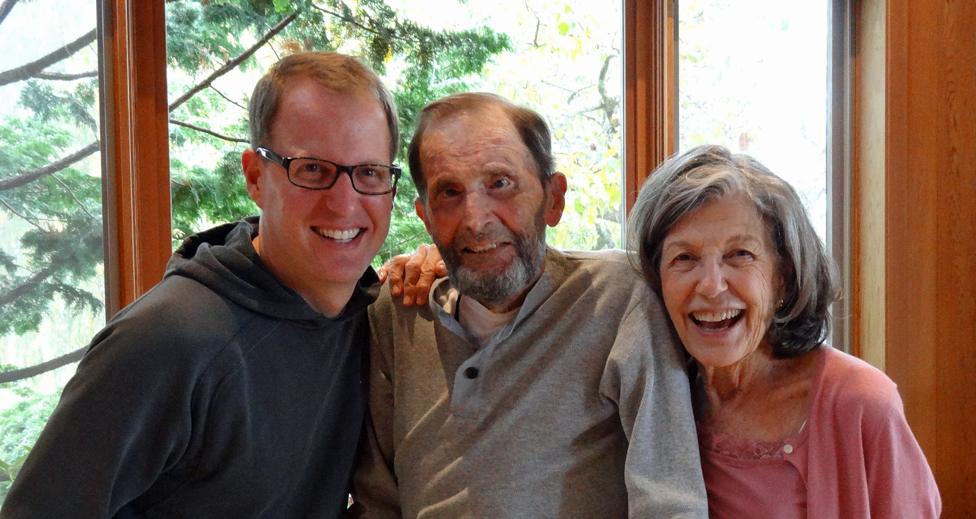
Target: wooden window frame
135,147
650,103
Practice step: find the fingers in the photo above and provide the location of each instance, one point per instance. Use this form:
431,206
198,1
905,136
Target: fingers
413,269
412,275
392,272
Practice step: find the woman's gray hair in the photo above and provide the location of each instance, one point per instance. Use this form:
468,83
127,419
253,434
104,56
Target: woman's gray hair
686,182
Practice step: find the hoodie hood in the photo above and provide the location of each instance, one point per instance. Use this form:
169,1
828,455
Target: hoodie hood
223,259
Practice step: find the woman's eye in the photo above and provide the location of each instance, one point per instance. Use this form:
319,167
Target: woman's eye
741,255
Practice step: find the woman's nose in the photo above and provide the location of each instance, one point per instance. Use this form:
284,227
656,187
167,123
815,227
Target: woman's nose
712,281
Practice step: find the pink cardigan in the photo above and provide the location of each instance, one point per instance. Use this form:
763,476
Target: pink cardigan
857,456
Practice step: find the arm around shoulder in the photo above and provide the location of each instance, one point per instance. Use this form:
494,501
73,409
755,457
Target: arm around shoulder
645,375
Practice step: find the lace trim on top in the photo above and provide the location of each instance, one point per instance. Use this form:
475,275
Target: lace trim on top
744,449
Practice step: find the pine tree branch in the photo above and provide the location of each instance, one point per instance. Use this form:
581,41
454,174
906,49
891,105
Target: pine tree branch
229,100
44,367
25,177
71,193
11,295
208,132
348,19
33,68
23,217
62,76
5,9
387,34
232,64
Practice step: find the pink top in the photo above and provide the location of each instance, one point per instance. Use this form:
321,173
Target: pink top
855,456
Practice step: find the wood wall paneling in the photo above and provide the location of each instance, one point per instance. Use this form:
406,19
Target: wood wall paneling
956,263
917,206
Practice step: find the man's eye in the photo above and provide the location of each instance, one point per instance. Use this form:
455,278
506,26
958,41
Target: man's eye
310,167
447,193
501,183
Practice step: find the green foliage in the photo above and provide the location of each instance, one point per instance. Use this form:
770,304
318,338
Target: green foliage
431,63
19,427
62,247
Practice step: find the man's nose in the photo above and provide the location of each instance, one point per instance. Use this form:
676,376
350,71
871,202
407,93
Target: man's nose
712,282
341,198
478,211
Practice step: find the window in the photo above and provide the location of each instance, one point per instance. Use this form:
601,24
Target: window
752,76
559,57
51,247
564,60
770,79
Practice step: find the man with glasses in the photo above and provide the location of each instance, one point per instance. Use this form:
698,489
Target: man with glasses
534,383
236,386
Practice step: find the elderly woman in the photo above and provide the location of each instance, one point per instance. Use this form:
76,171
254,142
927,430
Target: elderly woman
787,425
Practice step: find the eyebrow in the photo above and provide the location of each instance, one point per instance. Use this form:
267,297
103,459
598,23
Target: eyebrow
738,238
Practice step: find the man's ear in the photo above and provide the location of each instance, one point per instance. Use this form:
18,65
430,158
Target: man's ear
421,209
252,167
555,198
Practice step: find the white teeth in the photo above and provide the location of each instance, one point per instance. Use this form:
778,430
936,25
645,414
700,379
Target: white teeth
339,235
713,317
483,248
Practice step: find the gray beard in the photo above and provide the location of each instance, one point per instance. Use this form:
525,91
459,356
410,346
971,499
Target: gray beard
498,290
495,290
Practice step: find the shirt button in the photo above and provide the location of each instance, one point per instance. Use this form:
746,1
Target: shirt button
788,448
471,372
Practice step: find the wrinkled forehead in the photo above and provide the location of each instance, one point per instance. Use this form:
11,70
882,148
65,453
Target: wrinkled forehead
471,135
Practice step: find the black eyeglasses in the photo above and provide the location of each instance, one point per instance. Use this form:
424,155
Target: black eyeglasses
313,173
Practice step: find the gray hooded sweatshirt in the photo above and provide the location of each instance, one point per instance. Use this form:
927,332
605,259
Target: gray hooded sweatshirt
219,393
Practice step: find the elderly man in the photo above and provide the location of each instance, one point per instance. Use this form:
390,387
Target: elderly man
234,388
535,383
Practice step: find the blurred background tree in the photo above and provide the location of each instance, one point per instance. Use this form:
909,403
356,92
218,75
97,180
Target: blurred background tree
51,250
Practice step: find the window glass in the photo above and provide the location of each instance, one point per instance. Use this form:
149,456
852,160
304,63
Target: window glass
51,254
564,61
752,76
559,57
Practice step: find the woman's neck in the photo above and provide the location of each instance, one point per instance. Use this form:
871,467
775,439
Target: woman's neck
727,383
760,397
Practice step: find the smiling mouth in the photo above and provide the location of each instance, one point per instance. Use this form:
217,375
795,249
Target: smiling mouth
339,235
481,249
717,321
